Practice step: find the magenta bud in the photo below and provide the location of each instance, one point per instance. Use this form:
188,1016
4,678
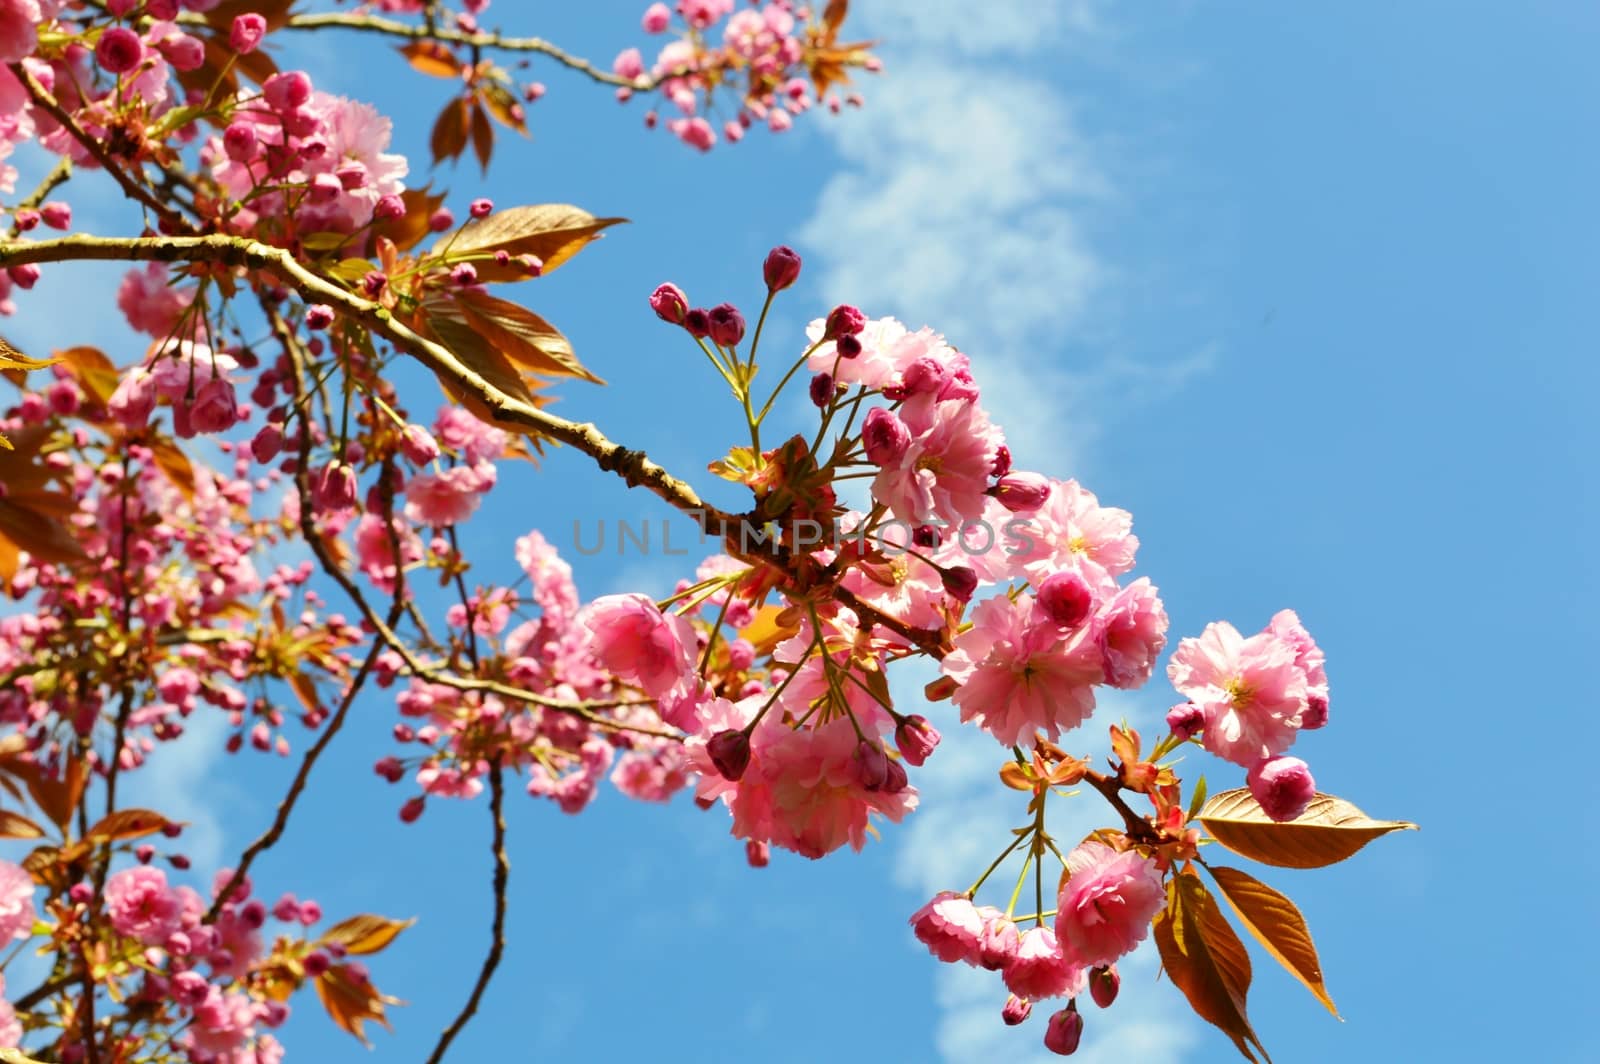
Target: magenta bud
1065,1030
730,753
1185,720
1065,597
481,208
848,346
253,914
119,50
758,854
1002,461
246,32
1021,493
895,779
884,436
1103,985
412,809
287,91
315,963
871,765
1016,1010
916,739
698,322
464,274
81,893
822,389
319,316
781,269
441,219
726,325
926,536
56,215
1283,786
960,581
389,207
143,853
669,303
844,320
1315,715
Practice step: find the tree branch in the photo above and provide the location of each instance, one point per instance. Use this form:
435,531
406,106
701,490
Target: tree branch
497,941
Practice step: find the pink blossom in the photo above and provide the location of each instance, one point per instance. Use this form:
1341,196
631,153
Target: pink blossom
16,902
657,17
944,471
1073,531
1250,691
635,640
18,33
375,550
151,305
473,440
1041,970
553,589
141,906
950,927
1132,631
1017,677
1106,905
448,497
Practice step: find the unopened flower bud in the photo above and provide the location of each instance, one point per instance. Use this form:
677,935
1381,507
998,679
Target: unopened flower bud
1016,1010
1315,715
657,17
1104,984
669,303
730,753
481,208
119,50
960,581
726,325
895,779
246,32
871,765
926,536
315,963
1065,597
757,853
1002,461
1065,1030
287,91
389,207
848,346
56,215
1022,493
822,389
1185,720
319,316
884,436
844,320
916,739
412,809
698,322
781,269
441,219
997,945
1283,786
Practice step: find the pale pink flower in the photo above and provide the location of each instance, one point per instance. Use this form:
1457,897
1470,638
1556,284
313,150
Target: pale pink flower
1106,905
447,497
945,470
151,305
1285,624
950,926
553,589
16,902
474,440
375,550
636,641
1017,677
1041,970
1250,691
1072,530
1132,631
141,905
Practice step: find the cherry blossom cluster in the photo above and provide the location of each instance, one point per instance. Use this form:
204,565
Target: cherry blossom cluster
776,60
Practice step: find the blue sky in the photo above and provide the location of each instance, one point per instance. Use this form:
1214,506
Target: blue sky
1312,294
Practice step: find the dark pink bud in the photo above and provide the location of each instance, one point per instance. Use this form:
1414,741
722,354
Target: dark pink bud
916,739
1283,786
464,274
669,303
923,376
781,269
253,913
184,52
268,443
960,581
119,50
481,208
441,219
81,893
847,346
287,91
1103,985
24,276
315,963
1185,720
412,809
730,753
698,322
239,142
143,852
319,316
726,325
758,854
1062,1035
926,536
26,219
885,436
336,487
871,765
1315,715
389,207
1022,493
1016,1010
246,32
844,320
165,10
1002,461
374,282
896,779
418,445
56,215
1066,598
822,389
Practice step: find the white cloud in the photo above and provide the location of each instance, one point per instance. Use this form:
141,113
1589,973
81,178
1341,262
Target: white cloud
177,782
1003,26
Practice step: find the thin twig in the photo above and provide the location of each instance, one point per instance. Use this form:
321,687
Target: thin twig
497,941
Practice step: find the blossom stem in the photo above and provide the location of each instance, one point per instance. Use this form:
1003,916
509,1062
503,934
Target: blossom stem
998,861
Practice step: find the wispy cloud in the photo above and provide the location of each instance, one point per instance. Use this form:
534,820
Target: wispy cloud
964,202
